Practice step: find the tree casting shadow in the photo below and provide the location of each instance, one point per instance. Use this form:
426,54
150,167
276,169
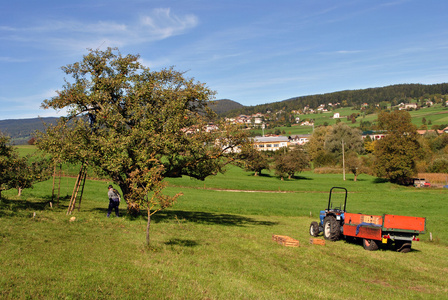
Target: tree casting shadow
12,207
208,218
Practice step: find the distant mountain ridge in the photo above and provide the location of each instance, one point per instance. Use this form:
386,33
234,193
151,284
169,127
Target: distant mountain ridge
21,130
352,98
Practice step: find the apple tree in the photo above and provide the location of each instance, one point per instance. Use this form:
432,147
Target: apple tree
137,126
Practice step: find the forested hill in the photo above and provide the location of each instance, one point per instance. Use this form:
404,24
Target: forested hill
21,130
393,93
224,105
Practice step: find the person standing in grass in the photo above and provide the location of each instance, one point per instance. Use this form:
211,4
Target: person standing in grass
114,200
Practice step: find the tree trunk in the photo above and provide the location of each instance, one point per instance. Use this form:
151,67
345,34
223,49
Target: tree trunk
355,177
148,225
133,207
19,191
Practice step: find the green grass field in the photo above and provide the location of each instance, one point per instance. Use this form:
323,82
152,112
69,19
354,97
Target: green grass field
216,243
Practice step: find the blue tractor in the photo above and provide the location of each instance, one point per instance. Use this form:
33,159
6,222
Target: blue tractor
331,219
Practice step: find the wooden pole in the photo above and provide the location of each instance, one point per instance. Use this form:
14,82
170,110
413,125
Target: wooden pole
343,160
59,183
54,178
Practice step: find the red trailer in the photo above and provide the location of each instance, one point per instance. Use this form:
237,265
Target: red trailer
373,230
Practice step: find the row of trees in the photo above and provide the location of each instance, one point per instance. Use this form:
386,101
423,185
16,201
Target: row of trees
396,157
285,162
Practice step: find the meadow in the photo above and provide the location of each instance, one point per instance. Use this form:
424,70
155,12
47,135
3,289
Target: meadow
216,243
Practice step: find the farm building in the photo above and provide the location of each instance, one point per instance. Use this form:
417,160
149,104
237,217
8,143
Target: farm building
271,143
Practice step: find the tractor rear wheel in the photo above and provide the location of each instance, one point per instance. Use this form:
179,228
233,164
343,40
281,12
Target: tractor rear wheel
314,229
370,245
403,246
332,229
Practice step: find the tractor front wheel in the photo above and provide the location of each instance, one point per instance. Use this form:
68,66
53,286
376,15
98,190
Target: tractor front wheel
370,245
314,229
332,229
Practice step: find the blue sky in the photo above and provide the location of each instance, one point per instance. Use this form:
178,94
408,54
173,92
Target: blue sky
252,52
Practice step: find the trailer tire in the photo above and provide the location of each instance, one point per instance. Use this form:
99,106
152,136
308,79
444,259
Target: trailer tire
370,245
314,229
403,247
332,229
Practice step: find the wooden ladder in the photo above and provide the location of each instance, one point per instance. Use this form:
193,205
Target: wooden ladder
80,182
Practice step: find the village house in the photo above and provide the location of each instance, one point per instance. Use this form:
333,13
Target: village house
270,143
374,135
406,106
299,139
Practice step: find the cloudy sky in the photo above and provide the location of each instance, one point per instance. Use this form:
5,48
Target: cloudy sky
252,52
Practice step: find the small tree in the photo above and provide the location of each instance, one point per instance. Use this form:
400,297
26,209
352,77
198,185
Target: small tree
316,142
291,162
397,152
342,133
354,164
252,160
27,172
7,156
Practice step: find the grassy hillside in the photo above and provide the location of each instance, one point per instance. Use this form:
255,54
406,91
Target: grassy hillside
436,115
216,243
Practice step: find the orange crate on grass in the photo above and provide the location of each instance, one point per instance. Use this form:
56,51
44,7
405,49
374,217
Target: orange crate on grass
285,240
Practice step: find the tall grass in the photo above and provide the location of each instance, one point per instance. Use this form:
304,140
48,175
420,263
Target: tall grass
216,244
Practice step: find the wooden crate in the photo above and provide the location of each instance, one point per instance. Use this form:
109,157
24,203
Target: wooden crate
285,240
317,242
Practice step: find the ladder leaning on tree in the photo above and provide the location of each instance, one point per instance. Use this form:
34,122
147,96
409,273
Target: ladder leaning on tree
80,180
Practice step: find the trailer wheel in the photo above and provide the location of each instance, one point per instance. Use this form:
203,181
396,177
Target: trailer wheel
403,247
370,245
314,229
332,230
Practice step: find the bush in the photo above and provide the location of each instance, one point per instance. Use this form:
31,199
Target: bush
439,165
328,170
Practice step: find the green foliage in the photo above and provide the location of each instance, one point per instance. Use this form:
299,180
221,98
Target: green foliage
439,165
291,162
252,160
396,154
342,134
7,157
19,172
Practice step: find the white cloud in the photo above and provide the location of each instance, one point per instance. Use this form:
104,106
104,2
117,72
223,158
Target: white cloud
78,35
162,24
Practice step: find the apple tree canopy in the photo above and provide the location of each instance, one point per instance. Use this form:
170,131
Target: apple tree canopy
136,125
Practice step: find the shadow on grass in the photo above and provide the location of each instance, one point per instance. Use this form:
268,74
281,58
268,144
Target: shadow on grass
208,218
181,242
260,175
13,207
380,180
